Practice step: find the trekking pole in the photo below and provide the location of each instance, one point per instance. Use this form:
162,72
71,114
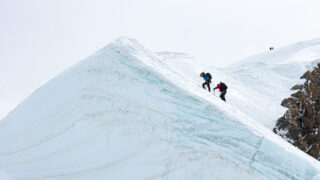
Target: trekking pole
214,92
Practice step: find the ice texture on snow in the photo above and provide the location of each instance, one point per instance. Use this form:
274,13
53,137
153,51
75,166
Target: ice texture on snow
4,175
129,113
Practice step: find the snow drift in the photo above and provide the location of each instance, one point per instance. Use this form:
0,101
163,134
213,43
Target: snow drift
129,113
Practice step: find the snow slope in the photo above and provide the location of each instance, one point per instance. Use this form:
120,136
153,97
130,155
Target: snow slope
128,113
259,83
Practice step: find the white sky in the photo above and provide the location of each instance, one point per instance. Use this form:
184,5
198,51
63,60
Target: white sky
40,38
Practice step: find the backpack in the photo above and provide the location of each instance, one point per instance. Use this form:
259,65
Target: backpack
224,86
209,76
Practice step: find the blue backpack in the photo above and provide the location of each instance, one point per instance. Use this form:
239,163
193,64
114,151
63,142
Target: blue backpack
209,76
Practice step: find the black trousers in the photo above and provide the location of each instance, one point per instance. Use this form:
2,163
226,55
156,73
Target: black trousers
208,84
223,93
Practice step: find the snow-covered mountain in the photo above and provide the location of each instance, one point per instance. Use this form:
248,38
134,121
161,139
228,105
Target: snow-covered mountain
129,113
262,81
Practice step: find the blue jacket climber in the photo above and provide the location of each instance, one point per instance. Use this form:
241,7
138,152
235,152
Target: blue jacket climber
207,77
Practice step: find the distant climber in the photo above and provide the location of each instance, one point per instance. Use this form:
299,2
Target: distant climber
271,48
223,89
207,77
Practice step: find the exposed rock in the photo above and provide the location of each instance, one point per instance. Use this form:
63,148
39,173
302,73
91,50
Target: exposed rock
305,75
298,94
297,87
300,125
289,102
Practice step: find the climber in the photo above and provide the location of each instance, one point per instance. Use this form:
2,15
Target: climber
223,89
207,77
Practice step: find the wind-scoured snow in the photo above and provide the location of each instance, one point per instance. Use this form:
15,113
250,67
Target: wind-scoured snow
129,113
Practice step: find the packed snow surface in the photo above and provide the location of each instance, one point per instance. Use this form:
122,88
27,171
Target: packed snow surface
129,113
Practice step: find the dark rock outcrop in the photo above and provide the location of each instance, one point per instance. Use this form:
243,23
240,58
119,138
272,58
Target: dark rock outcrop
300,125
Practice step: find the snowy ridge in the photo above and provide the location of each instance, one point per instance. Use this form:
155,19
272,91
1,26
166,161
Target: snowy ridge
267,77
304,51
128,113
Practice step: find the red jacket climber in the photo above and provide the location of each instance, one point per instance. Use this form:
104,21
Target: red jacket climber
223,89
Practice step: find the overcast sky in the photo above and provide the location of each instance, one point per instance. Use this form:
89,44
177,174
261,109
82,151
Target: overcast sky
40,38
